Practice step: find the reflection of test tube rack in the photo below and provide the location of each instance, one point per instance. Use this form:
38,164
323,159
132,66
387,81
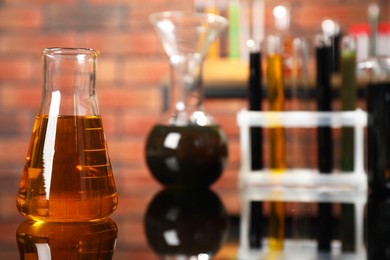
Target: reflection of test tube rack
300,248
301,185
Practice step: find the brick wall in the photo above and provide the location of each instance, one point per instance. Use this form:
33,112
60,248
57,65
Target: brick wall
130,69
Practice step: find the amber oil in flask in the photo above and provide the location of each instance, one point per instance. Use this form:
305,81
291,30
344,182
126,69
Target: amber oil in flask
67,174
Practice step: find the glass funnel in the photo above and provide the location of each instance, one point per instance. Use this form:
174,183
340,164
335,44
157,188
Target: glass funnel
67,174
187,147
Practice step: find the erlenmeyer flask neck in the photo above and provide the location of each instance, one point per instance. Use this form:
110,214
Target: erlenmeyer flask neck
69,81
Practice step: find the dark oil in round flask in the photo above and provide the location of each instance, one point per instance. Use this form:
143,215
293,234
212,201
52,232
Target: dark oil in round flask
192,156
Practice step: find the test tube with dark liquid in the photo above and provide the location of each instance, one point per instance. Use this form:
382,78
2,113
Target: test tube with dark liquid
324,134
376,71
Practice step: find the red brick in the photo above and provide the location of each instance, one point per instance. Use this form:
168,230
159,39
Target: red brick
21,18
83,17
136,98
14,150
15,68
225,106
145,71
132,234
132,122
15,124
139,13
110,123
15,96
234,152
136,43
310,16
35,2
228,122
127,151
135,182
134,3
33,43
107,69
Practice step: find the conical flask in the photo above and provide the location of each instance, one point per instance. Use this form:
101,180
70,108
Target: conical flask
187,147
67,174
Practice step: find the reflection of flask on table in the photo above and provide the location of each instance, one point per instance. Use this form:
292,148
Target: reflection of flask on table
186,223
79,240
300,240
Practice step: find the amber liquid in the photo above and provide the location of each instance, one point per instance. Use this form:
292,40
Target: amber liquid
80,240
186,156
67,175
275,89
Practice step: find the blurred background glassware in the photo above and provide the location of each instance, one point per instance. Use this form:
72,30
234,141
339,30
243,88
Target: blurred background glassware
67,174
187,147
78,240
186,223
375,72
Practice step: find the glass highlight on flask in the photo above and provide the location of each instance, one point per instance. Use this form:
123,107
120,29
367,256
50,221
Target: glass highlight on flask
67,174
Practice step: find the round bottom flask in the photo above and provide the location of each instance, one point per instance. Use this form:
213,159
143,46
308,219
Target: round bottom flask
186,155
187,148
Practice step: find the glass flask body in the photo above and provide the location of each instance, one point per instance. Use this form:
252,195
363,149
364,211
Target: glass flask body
67,174
187,148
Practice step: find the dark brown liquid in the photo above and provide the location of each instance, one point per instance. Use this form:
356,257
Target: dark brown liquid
81,240
67,174
378,137
186,155
378,228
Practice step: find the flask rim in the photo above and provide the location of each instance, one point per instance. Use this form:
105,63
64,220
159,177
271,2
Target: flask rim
54,51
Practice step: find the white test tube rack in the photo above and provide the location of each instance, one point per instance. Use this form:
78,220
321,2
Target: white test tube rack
304,178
